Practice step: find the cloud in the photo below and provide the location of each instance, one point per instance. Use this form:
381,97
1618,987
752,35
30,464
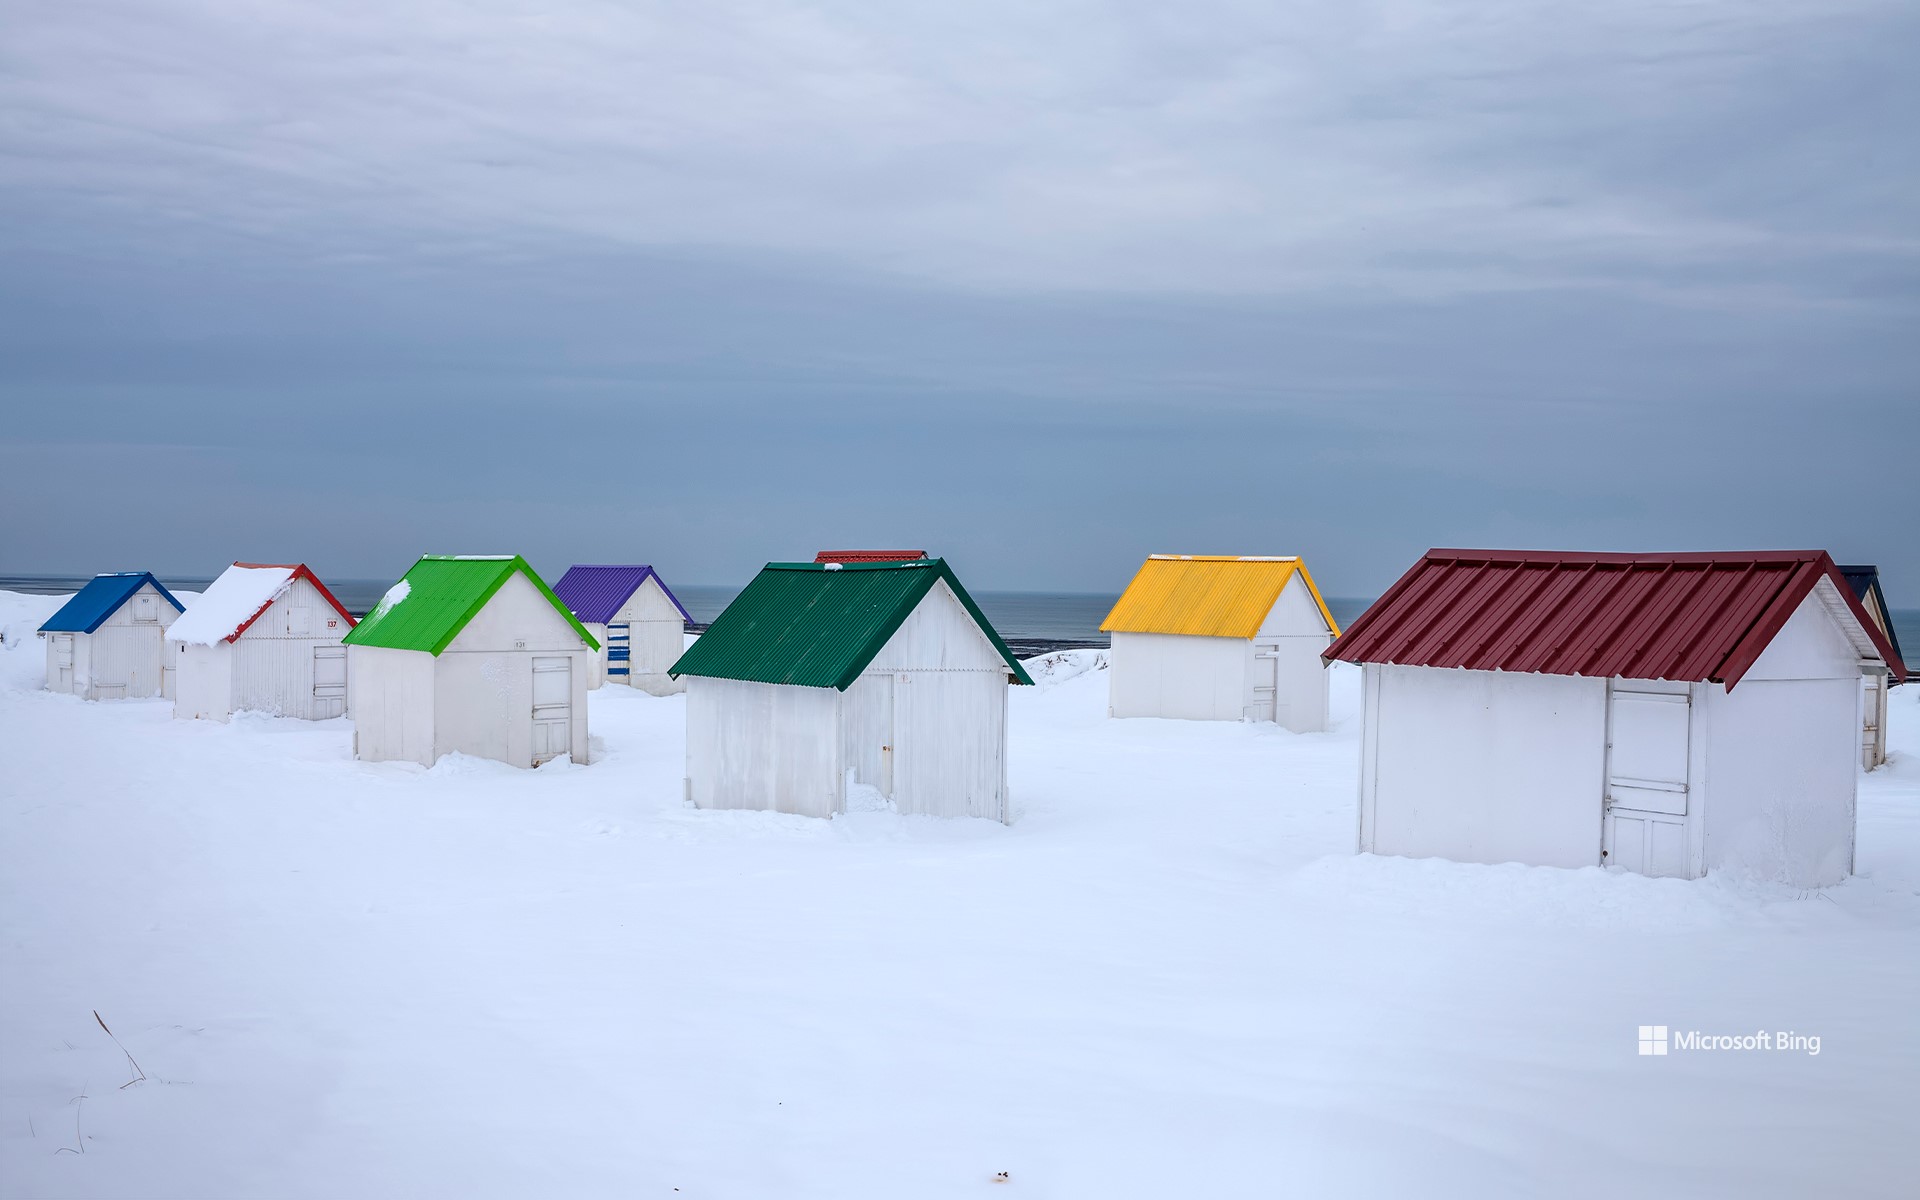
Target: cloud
1263,149
1046,286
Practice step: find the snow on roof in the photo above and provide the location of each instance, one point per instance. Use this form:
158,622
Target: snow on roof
229,604
390,598
236,600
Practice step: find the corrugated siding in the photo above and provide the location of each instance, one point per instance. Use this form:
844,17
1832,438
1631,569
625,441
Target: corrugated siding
1204,596
392,698
950,744
1689,617
763,746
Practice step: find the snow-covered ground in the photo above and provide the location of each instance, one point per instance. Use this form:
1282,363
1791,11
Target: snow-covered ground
1169,977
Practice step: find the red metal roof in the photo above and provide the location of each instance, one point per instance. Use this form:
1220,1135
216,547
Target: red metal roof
300,571
859,556
1693,617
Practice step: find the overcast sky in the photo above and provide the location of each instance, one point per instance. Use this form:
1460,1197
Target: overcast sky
1044,287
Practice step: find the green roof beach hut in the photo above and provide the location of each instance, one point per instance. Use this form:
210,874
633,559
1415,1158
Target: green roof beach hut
829,686
470,654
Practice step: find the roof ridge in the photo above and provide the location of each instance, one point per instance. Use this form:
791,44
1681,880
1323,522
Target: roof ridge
1252,558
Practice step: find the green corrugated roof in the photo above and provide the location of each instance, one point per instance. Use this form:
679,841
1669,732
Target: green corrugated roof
436,598
818,625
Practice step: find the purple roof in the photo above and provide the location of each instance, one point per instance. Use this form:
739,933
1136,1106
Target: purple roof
595,593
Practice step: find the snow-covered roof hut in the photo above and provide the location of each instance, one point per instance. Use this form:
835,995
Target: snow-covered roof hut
470,655
106,643
883,680
1666,713
639,624
1221,638
1865,583
265,637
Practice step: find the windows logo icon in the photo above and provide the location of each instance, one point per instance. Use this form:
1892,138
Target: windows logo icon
1653,1039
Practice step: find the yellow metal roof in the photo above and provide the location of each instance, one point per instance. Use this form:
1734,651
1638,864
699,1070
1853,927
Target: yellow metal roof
1207,595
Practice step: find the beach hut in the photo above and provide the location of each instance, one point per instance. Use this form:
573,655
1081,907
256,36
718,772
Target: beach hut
1666,713
265,637
1876,682
859,556
639,624
470,654
1221,638
107,642
827,683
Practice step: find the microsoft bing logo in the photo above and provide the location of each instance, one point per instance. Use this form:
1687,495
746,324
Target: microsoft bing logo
1653,1039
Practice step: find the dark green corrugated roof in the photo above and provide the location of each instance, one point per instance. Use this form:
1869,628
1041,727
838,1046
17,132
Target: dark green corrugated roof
436,598
820,624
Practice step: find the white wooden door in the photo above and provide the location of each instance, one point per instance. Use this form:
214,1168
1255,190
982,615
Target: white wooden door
1873,731
552,708
896,754
1266,683
62,680
887,729
329,682
1648,749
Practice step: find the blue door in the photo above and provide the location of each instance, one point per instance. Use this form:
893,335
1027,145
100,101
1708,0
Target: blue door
619,652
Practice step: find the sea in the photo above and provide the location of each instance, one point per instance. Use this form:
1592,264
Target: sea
1031,622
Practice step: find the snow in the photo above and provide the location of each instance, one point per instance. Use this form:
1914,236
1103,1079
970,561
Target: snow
1169,977
228,603
391,597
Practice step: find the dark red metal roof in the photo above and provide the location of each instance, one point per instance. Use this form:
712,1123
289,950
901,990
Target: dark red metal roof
858,556
1693,617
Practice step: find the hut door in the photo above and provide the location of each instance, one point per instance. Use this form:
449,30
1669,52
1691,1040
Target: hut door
329,682
620,653
1266,683
1873,734
1648,746
62,680
552,708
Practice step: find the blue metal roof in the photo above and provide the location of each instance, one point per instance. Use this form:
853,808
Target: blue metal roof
1865,582
97,601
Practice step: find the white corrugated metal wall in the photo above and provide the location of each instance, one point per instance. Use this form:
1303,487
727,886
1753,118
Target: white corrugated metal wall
764,746
202,681
393,704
